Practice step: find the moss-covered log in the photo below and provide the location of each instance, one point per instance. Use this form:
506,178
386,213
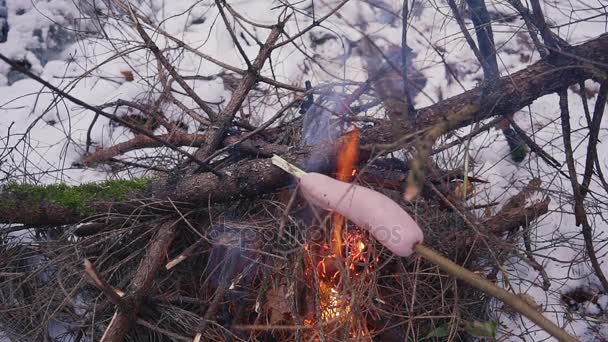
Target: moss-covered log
60,203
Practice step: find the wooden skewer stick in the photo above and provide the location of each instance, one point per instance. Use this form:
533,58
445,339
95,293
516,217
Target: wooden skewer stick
465,275
501,294
287,166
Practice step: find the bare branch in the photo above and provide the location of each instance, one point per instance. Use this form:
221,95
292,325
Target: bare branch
579,209
214,135
171,69
485,39
594,129
112,117
142,282
465,32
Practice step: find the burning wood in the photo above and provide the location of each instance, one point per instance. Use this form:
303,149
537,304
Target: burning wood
348,155
333,264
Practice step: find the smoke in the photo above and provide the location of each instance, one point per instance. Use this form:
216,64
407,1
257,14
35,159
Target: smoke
323,124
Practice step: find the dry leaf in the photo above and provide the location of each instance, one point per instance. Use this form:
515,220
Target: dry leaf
128,75
278,304
463,189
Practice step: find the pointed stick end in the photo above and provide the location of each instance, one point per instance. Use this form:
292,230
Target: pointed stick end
287,166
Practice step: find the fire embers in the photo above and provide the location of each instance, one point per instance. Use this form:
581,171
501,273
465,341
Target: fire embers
336,282
331,266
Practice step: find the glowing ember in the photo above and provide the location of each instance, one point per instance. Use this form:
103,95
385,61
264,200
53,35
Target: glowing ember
334,306
333,274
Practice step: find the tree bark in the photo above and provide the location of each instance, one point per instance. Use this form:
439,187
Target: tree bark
141,283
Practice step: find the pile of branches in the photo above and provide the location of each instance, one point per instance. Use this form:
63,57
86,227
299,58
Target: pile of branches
238,270
216,247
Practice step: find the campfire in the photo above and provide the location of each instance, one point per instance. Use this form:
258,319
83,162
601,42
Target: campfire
392,226
340,260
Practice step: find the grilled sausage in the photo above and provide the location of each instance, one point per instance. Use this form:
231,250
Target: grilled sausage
366,208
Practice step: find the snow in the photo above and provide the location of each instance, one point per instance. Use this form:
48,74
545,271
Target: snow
44,143
555,237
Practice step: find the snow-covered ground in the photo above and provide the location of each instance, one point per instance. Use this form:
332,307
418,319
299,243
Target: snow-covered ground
44,137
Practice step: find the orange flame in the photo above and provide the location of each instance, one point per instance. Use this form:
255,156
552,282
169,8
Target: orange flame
348,154
330,264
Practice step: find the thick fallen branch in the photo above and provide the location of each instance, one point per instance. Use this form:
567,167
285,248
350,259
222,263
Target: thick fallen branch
513,93
141,283
142,141
510,95
62,204
251,147
517,212
520,89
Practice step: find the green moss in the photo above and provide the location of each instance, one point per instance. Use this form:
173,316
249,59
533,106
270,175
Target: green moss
76,197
